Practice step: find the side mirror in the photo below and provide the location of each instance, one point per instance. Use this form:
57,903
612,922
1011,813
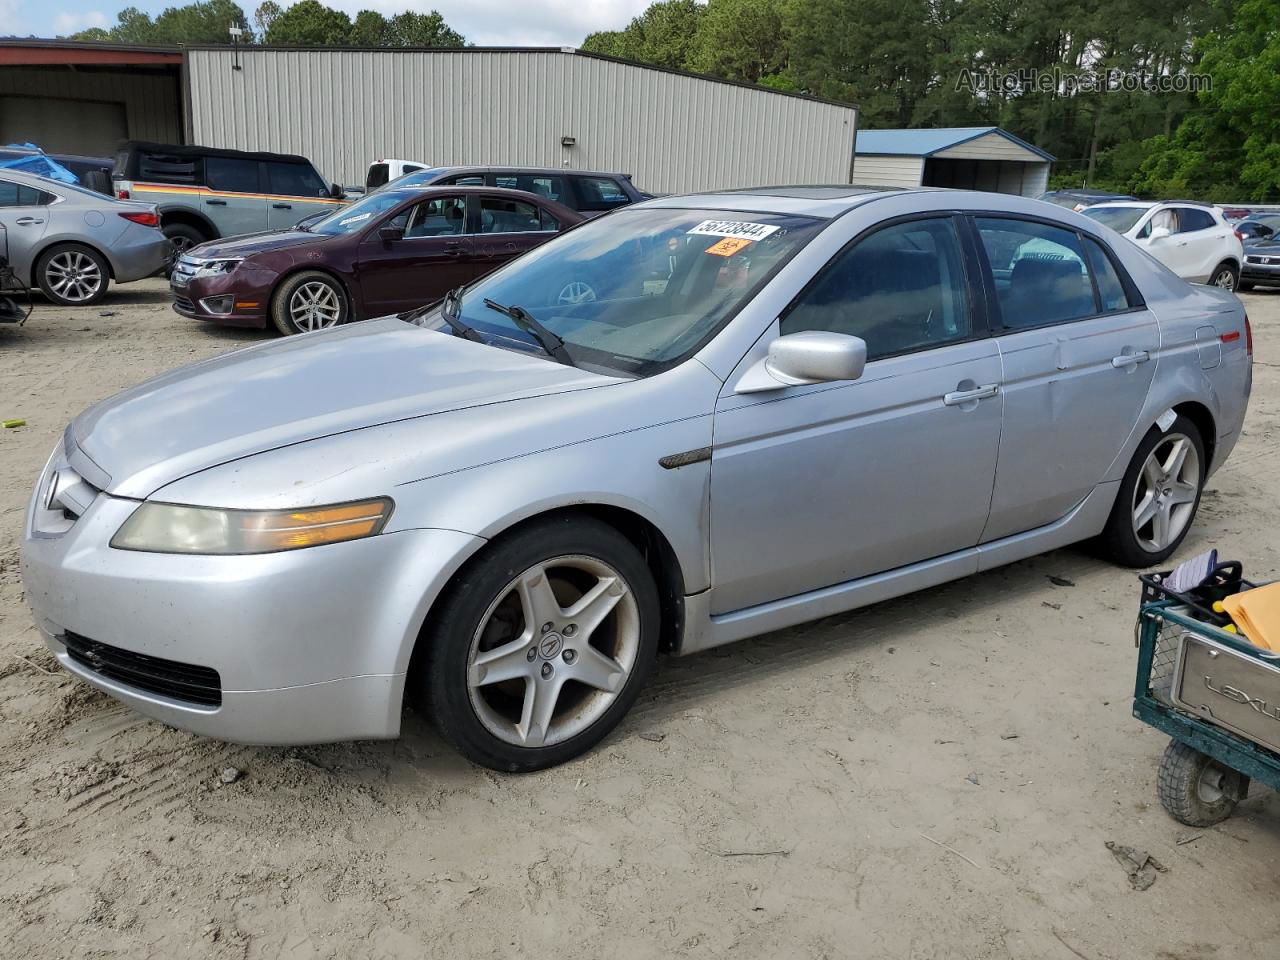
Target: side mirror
391,234
1159,233
813,356
336,192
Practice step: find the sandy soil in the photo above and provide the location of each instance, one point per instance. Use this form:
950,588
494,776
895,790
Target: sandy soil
933,777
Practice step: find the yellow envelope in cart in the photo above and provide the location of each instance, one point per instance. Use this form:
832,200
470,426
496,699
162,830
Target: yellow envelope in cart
1257,614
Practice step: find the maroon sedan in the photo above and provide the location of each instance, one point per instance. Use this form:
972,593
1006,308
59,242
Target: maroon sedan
389,252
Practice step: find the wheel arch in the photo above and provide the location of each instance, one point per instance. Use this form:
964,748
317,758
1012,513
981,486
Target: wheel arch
293,270
191,218
1202,417
64,241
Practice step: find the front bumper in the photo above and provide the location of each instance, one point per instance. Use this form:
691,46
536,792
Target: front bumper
249,302
310,645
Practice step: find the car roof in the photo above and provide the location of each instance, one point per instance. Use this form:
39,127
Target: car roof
418,190
520,168
817,200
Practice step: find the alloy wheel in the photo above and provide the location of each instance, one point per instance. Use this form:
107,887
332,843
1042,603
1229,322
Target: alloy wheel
315,306
1164,498
1225,279
576,292
74,276
553,651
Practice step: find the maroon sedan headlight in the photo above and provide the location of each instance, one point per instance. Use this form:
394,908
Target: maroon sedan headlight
216,268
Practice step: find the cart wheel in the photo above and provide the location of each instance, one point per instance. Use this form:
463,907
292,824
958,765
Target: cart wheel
1196,789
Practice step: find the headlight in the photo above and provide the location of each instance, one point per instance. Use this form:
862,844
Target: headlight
171,528
215,268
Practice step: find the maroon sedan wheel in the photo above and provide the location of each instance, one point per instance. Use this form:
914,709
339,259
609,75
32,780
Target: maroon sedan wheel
307,302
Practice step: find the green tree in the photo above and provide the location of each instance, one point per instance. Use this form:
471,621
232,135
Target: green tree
266,15
204,22
410,29
743,40
369,29
309,23
666,34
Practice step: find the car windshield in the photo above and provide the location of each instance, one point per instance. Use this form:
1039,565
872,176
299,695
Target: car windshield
639,290
1119,219
356,216
413,178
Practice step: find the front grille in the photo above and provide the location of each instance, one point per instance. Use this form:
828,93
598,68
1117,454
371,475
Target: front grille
1262,260
179,681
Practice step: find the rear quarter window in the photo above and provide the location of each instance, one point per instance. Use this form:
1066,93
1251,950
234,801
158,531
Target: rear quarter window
169,168
600,193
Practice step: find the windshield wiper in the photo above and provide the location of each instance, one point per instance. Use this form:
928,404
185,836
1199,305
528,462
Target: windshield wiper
552,344
450,307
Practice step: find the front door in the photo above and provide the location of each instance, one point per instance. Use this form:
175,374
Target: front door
1078,357
435,255
295,192
24,213
817,485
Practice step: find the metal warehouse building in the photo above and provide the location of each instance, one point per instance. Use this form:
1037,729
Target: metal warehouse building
344,108
971,158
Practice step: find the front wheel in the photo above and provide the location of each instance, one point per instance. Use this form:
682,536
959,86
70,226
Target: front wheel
309,301
1158,496
1225,276
72,275
541,645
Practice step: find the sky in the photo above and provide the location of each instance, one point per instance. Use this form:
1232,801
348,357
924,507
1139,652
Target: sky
520,23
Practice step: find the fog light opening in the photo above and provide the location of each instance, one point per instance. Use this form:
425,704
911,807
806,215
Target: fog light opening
220,305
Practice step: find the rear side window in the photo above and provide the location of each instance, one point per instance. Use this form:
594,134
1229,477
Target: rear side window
1190,220
464,180
168,168
500,215
377,175
1110,289
20,195
231,174
294,180
544,185
1039,272
900,289
600,193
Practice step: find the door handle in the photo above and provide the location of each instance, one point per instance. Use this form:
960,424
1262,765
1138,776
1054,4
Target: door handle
453,248
968,396
27,221
282,206
1130,359
216,203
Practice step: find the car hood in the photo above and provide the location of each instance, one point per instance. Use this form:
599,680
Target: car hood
303,388
251,243
1265,247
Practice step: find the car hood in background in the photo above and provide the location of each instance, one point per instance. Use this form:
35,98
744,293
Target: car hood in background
251,243
1266,248
299,389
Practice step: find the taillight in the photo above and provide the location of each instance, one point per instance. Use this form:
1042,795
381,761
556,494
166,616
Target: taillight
122,194
1239,235
1248,337
147,219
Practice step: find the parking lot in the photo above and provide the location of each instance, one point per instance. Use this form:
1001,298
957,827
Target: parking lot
933,777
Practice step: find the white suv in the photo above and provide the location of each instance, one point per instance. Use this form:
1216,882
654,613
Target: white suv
1193,240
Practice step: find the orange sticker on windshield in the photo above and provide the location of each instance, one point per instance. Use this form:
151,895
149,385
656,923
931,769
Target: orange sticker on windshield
728,246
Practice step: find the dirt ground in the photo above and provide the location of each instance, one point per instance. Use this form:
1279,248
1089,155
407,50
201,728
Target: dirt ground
935,777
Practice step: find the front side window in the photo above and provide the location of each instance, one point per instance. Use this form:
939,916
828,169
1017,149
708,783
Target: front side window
501,215
231,174
900,289
601,193
1039,272
295,180
438,217
1165,219
639,291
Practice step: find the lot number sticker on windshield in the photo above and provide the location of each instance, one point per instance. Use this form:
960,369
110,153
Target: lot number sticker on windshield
741,229
356,219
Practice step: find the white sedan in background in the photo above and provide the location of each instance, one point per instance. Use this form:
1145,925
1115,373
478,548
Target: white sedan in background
1193,240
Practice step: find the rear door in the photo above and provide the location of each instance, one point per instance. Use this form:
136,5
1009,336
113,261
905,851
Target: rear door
232,195
24,212
295,191
508,227
434,256
1078,350
1203,239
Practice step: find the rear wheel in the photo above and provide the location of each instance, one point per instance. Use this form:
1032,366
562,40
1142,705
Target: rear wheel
183,236
1197,790
73,275
1158,496
309,301
541,645
1225,276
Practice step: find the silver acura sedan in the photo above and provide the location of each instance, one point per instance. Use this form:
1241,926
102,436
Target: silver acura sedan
693,420
72,242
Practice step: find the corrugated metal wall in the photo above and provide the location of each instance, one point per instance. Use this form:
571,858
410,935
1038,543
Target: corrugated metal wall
673,133
874,170
150,99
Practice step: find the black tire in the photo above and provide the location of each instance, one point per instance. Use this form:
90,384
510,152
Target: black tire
1119,541
280,313
1244,286
51,274
1195,789
183,236
1225,275
441,678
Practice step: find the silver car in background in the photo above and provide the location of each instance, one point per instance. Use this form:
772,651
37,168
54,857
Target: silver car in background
72,242
693,420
